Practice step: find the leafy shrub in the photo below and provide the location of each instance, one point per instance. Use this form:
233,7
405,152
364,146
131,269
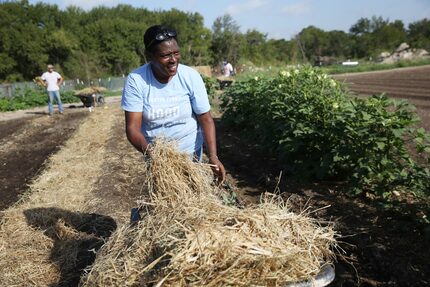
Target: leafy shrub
30,98
210,84
316,129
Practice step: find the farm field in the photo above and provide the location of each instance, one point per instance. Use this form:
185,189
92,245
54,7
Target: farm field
412,84
81,166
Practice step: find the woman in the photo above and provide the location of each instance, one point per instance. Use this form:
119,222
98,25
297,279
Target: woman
166,99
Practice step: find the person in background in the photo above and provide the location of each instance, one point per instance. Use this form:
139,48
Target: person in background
227,69
164,98
52,81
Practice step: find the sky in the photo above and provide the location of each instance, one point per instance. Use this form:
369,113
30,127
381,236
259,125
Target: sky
279,19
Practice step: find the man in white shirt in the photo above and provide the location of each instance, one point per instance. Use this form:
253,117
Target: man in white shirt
227,69
52,81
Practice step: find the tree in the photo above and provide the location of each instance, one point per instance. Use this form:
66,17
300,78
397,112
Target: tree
226,40
255,49
109,41
313,42
282,51
419,34
339,44
23,40
376,35
389,36
194,38
360,28
115,40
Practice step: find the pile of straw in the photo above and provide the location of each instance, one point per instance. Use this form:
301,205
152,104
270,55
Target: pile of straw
90,91
188,237
38,81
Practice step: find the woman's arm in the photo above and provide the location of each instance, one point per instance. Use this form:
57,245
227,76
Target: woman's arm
207,123
133,124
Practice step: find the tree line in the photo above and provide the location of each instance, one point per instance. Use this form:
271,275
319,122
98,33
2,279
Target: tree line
106,41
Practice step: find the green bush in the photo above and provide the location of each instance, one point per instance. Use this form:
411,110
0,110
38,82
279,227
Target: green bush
30,98
316,129
211,85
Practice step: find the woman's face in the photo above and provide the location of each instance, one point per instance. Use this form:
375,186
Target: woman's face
165,60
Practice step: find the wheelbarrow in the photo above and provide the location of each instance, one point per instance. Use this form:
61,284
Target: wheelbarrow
91,97
92,100
225,82
323,278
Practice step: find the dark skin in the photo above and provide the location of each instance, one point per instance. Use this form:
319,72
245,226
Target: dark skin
165,59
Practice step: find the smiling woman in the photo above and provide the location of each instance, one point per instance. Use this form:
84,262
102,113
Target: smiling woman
164,98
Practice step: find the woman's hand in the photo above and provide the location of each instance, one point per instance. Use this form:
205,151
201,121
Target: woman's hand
217,168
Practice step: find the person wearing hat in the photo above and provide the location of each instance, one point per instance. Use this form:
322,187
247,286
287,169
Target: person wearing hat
164,98
227,69
52,81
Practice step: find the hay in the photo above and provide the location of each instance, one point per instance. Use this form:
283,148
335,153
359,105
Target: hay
188,237
39,82
34,250
90,91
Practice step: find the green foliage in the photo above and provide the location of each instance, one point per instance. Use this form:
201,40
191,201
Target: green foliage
226,39
419,34
312,41
108,41
316,130
211,85
30,98
375,35
230,199
194,39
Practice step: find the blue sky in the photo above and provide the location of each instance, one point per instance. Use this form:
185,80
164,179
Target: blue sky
280,18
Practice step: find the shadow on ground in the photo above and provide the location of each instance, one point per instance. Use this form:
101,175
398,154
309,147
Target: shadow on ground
77,237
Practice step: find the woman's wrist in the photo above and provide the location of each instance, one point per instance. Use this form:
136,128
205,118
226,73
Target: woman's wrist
145,148
213,156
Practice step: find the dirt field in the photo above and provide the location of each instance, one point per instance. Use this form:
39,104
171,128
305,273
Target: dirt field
412,84
25,144
381,247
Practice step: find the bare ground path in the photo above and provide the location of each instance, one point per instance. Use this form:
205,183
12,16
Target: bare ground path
71,207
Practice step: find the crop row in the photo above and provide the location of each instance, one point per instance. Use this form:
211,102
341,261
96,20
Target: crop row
316,129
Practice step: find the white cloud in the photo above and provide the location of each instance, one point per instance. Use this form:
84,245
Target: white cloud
244,7
295,9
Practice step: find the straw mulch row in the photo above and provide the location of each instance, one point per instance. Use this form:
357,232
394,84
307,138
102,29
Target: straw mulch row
43,235
189,237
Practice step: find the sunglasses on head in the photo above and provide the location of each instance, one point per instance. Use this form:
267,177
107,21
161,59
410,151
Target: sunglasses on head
163,35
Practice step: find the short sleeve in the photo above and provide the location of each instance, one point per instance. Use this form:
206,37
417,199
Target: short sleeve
132,96
199,96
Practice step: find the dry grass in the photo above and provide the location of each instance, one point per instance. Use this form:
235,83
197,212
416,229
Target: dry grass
90,91
188,237
33,232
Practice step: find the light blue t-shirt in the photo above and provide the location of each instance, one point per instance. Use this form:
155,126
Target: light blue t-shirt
169,110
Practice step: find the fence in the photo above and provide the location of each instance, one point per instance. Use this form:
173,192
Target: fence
112,84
